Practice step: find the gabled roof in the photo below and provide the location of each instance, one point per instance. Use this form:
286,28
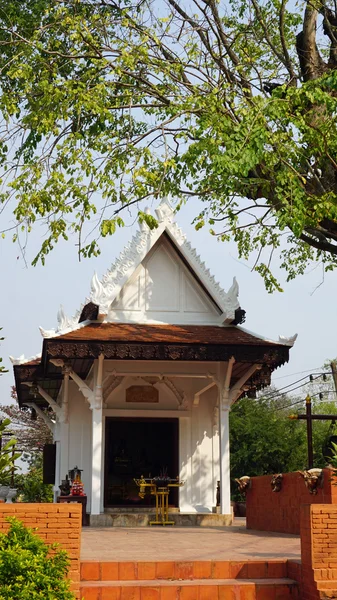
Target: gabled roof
106,290
149,342
166,334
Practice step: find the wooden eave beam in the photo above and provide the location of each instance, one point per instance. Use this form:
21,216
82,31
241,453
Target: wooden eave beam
271,355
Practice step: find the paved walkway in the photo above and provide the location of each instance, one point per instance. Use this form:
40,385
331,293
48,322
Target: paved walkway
187,544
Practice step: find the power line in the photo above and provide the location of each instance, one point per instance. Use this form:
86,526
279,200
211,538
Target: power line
280,393
289,385
298,373
303,400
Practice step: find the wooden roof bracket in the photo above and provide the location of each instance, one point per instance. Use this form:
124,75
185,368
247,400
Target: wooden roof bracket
94,397
85,390
48,421
55,407
237,389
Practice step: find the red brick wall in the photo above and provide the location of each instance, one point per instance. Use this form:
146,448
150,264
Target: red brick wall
318,551
53,523
280,511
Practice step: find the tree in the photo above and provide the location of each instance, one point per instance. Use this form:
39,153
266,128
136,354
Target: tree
106,103
31,434
8,454
263,440
30,485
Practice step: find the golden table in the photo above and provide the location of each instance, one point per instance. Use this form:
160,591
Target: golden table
161,494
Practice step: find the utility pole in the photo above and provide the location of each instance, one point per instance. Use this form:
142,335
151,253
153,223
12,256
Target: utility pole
309,418
333,366
309,432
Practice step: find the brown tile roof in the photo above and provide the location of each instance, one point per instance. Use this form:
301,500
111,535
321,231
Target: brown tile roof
29,363
167,334
35,361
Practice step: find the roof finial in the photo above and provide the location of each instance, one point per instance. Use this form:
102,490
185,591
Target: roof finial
164,211
287,341
99,296
233,292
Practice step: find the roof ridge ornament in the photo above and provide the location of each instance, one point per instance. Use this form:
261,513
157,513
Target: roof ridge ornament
165,211
233,292
65,324
287,341
284,341
21,360
99,294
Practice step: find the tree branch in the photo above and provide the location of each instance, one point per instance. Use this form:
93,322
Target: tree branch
311,62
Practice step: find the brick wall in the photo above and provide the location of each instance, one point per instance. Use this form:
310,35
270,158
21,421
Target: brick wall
59,523
319,551
280,511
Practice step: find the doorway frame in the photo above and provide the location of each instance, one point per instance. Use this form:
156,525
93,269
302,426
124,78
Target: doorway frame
173,418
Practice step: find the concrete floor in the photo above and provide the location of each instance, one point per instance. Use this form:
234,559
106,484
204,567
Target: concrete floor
186,544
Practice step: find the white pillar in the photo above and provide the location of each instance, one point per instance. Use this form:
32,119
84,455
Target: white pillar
225,489
224,408
57,460
64,428
97,445
185,458
216,451
97,430
64,450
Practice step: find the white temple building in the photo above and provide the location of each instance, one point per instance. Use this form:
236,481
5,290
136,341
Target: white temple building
142,379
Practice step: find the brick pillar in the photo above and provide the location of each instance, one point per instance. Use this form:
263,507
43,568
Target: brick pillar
59,523
319,551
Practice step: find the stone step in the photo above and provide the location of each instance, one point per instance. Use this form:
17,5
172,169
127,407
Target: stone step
197,589
182,570
142,519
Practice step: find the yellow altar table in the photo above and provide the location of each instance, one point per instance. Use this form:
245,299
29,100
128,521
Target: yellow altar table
161,495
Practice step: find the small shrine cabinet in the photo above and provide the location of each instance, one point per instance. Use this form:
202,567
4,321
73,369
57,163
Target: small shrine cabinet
142,380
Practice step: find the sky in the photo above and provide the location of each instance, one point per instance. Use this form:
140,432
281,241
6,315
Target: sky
31,296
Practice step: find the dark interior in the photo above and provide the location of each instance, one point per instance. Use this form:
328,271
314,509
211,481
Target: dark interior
136,447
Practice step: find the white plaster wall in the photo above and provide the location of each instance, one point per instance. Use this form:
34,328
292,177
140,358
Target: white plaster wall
80,426
198,438
204,472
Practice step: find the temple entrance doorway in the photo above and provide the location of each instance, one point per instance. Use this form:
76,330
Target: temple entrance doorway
135,447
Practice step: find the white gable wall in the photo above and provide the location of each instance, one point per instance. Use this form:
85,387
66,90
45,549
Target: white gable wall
163,290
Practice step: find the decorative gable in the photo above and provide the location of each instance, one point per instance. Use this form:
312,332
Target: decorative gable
155,280
163,289
104,292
